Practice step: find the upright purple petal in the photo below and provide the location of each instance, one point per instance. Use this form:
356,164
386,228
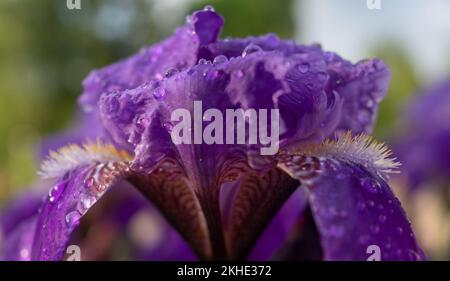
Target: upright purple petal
151,63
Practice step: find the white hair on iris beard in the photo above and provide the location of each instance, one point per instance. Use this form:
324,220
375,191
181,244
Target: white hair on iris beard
72,156
360,149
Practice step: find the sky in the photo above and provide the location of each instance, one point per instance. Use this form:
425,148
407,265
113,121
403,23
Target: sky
421,27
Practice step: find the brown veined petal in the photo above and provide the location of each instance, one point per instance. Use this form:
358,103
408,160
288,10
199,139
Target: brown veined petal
258,198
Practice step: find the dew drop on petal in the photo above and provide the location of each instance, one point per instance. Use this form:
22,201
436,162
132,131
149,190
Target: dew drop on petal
367,101
171,72
168,126
382,218
56,191
24,253
203,61
337,231
252,48
374,229
73,218
303,67
87,201
364,116
370,185
238,73
209,8
89,182
322,76
220,59
159,93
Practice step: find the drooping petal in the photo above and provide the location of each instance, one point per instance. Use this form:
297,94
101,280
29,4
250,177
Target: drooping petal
71,197
85,174
353,207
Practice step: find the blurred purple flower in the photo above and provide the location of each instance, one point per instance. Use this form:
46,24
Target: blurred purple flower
424,147
221,197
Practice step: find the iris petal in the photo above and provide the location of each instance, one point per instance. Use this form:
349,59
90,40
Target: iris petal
353,208
151,63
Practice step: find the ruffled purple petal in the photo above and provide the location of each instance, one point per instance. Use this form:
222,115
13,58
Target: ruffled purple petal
361,86
151,63
354,210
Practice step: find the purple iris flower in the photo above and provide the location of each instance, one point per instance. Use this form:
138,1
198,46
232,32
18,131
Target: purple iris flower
323,195
425,152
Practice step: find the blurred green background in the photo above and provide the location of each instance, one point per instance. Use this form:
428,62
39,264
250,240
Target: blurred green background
46,50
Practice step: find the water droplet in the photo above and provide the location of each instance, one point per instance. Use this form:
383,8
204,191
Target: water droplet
322,76
414,255
56,191
203,61
220,59
170,72
374,229
215,74
191,71
168,126
361,206
209,8
252,48
188,19
159,76
24,253
370,203
382,218
370,185
73,218
89,182
400,230
238,73
363,239
159,93
367,101
87,201
364,116
337,230
303,67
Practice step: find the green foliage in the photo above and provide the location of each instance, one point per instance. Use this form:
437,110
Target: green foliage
254,17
